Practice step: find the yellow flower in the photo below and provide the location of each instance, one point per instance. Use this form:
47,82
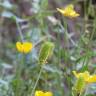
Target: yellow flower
87,77
24,47
68,11
41,93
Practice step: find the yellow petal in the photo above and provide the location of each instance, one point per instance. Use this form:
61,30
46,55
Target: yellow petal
75,73
85,75
19,46
68,11
92,79
61,10
39,93
27,46
48,94
69,7
73,14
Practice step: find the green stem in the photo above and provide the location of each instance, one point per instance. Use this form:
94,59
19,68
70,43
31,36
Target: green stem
18,76
67,34
19,30
32,93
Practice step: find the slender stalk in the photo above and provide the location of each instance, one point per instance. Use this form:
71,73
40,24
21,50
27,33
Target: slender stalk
67,34
19,30
18,76
32,93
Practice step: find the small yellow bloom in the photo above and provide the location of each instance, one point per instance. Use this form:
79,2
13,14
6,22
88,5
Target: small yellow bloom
24,47
41,93
87,77
68,11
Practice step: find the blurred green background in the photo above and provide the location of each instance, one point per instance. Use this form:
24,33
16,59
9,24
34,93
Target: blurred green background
39,21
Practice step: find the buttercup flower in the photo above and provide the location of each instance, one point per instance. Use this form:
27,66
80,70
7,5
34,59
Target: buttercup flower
68,11
24,47
87,77
41,93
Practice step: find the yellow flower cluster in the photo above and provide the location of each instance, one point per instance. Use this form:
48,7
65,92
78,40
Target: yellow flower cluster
87,77
68,11
41,93
24,47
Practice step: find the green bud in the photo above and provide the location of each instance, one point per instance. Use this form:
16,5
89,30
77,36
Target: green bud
79,86
45,52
